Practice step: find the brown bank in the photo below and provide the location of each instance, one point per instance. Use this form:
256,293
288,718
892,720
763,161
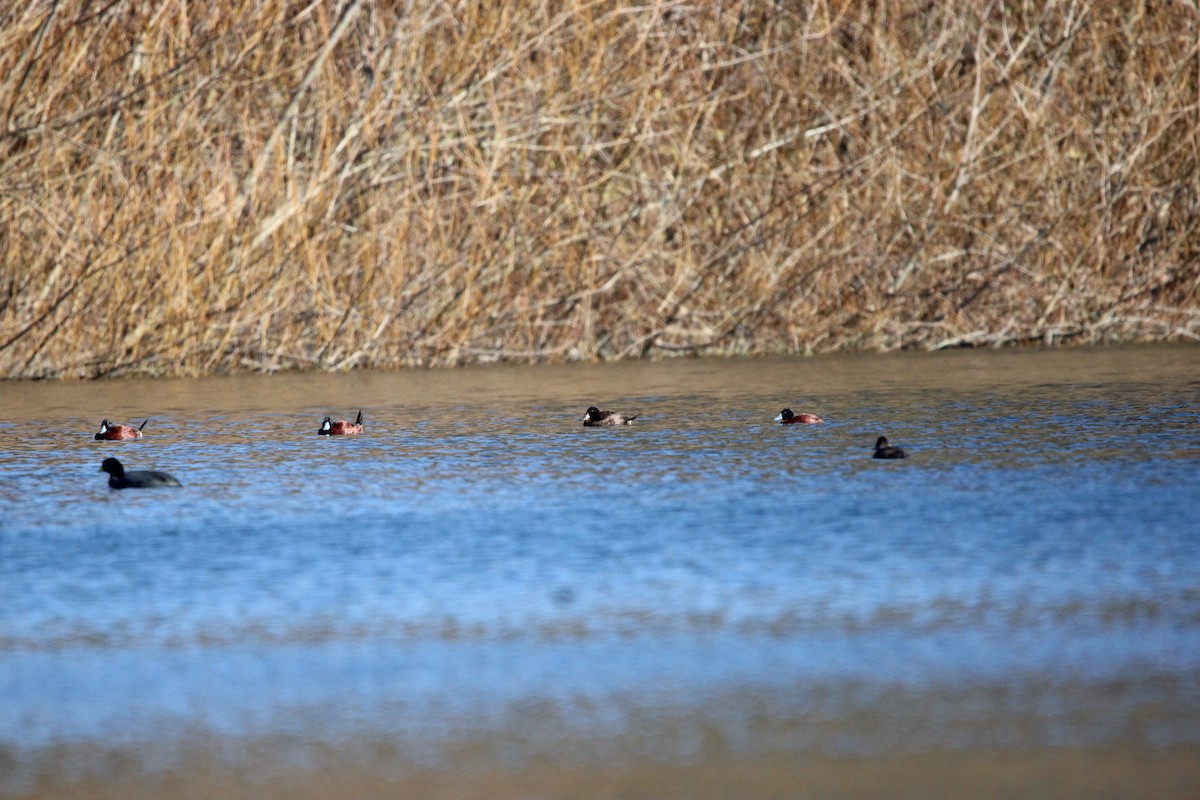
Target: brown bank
1069,773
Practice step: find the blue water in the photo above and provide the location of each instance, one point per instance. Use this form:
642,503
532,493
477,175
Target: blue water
478,564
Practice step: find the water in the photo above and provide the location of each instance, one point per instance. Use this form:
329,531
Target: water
480,583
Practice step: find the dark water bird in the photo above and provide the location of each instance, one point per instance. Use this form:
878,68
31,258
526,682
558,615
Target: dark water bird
786,417
341,427
595,418
118,478
110,432
885,450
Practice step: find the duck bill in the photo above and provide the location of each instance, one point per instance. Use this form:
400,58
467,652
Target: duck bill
779,417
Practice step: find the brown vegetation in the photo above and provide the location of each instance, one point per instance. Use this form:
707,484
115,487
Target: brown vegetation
190,188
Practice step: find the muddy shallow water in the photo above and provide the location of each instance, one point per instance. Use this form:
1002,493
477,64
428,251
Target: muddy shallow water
479,593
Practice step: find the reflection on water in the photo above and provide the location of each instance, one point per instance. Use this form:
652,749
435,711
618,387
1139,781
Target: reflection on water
478,567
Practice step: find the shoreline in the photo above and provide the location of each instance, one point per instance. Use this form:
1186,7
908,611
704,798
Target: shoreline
1102,772
803,358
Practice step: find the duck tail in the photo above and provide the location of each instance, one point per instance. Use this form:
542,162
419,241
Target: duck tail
358,419
143,423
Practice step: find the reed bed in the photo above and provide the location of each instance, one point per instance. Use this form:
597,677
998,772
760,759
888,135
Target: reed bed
260,185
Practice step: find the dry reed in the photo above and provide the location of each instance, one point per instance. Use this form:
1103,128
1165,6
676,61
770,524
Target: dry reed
191,188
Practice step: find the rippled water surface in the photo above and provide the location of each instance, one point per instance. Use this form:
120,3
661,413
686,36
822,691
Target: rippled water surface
479,579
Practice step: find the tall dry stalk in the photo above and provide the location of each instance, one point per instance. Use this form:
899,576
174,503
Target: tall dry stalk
261,184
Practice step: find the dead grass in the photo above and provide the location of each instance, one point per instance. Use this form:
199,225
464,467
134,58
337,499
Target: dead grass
254,185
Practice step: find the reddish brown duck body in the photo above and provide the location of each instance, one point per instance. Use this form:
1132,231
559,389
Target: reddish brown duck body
115,433
341,427
786,417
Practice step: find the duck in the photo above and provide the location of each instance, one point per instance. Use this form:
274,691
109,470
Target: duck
786,417
118,478
595,418
885,450
110,432
341,427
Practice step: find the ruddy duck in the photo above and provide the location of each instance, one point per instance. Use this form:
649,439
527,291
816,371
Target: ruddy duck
597,418
786,417
112,433
118,478
341,427
885,450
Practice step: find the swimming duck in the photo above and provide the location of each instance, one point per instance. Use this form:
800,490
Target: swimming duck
786,417
110,432
885,450
341,427
597,418
118,478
